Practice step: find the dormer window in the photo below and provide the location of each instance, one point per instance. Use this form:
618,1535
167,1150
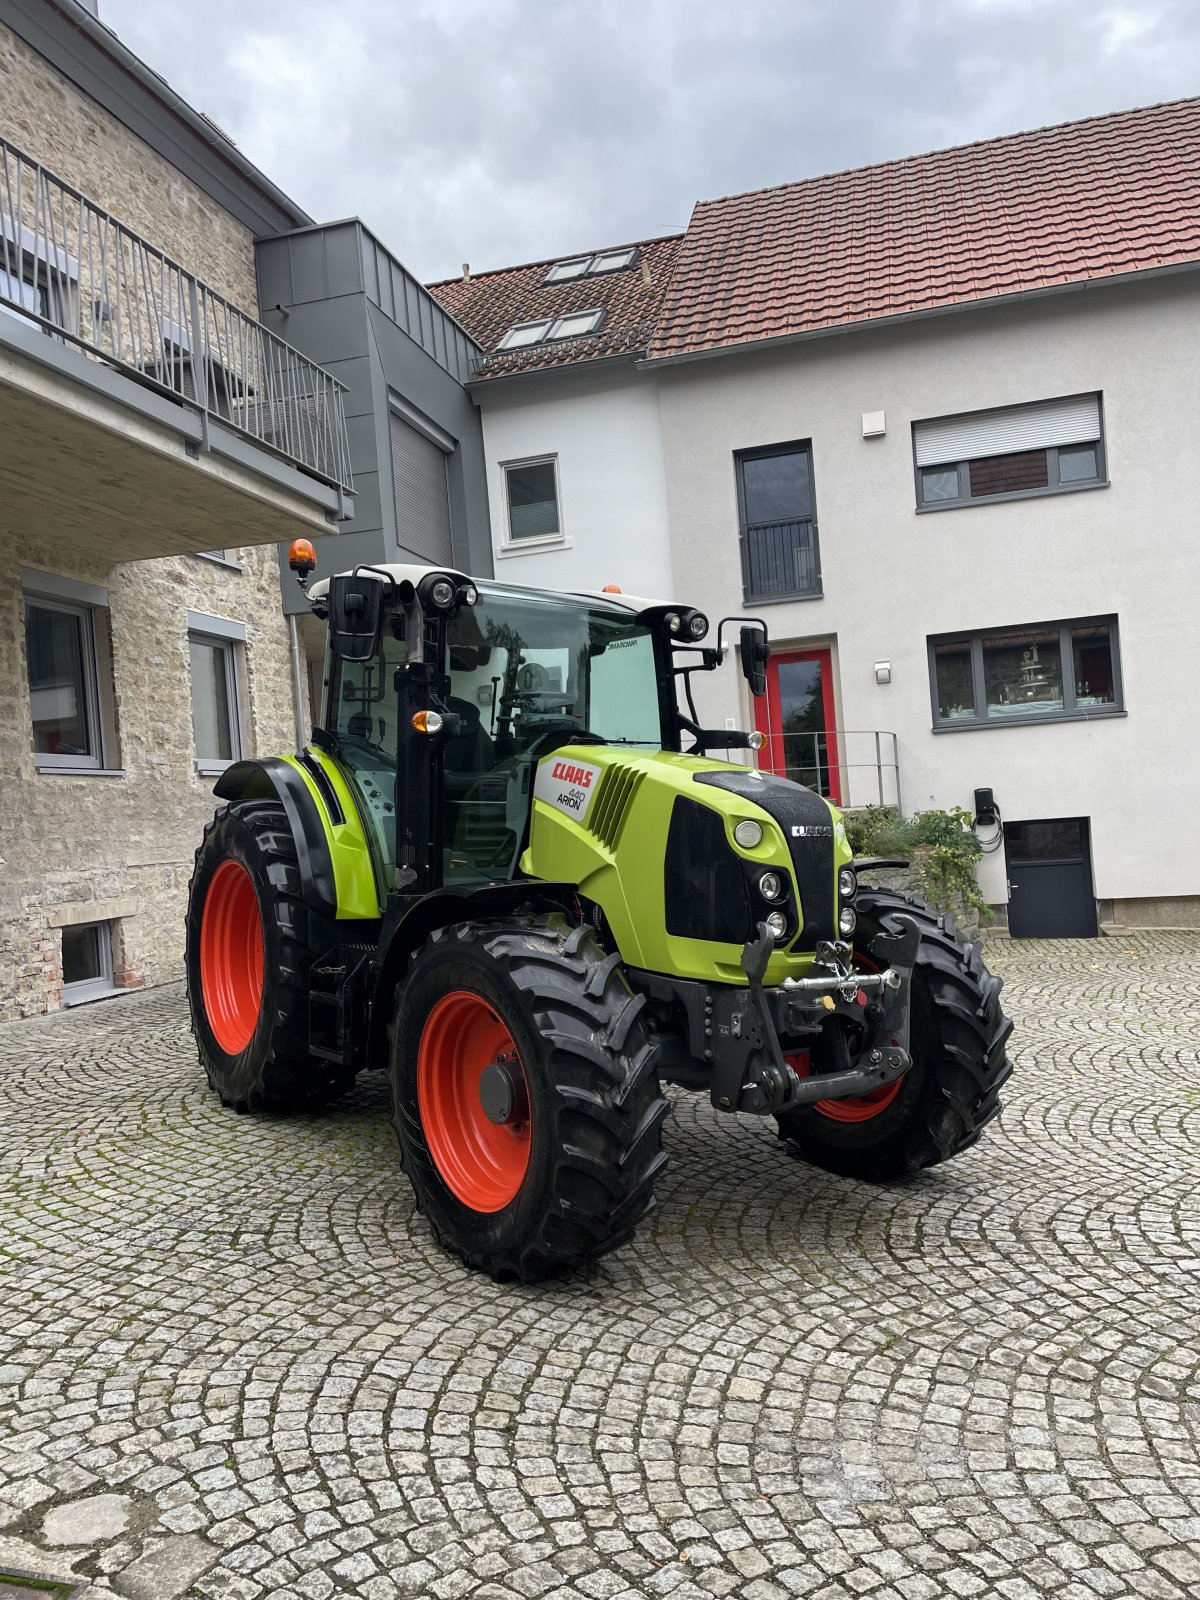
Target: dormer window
545,330
590,266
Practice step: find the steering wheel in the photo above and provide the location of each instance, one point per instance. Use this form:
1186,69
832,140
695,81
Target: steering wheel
533,678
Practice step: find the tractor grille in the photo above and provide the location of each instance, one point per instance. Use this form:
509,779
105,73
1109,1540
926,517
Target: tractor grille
607,811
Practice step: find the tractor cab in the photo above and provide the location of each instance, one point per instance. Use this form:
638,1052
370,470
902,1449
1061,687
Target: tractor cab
457,690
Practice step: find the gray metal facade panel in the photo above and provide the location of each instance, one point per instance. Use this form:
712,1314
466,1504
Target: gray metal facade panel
148,106
422,494
343,268
273,268
307,251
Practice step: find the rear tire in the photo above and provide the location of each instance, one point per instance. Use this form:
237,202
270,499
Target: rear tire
951,1092
251,941
571,1174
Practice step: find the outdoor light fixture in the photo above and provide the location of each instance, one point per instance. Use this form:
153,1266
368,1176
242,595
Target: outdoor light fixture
883,672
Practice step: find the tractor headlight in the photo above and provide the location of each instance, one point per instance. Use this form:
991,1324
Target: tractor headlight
672,622
748,833
756,740
442,593
847,883
769,886
777,923
847,921
697,625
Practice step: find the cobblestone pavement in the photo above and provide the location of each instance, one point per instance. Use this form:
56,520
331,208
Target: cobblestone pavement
233,1364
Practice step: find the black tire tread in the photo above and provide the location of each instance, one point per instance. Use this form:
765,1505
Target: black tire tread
286,1077
966,1057
608,1151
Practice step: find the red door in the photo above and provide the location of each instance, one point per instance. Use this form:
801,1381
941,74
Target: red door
796,718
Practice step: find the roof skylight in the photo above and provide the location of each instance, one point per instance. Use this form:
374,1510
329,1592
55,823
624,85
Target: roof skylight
590,266
546,329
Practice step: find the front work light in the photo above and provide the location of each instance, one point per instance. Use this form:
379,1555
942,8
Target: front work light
442,593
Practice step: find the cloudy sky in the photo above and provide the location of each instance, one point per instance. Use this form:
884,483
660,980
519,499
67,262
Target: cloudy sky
501,131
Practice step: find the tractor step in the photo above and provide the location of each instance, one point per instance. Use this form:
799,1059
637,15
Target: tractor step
337,1006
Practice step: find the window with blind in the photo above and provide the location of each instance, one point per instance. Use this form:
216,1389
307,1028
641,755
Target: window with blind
422,494
1010,453
1044,672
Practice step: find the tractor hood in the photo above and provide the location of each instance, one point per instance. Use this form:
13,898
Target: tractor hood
649,837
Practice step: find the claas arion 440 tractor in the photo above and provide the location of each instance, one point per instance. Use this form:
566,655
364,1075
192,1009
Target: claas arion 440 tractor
508,871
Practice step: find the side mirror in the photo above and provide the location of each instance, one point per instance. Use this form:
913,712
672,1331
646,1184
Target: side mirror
755,653
355,616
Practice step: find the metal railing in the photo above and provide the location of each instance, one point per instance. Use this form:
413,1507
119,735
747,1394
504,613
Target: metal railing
850,767
780,559
72,269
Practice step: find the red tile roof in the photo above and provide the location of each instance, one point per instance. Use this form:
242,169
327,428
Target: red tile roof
488,304
1093,199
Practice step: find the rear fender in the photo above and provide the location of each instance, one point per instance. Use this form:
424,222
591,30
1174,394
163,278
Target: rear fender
271,778
403,938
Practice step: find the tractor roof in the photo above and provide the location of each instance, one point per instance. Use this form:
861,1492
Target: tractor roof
413,573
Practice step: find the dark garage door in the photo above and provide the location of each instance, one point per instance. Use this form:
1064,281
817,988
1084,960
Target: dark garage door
1050,879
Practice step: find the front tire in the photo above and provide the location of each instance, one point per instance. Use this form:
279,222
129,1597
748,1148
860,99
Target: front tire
524,1096
251,941
957,1039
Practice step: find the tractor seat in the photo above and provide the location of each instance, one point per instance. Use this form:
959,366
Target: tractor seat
469,753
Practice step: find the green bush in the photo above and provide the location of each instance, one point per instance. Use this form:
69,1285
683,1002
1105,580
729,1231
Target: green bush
940,846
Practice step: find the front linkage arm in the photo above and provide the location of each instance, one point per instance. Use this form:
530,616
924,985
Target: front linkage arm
804,1005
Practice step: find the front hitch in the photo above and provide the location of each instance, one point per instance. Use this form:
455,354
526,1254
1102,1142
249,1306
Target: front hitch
801,1006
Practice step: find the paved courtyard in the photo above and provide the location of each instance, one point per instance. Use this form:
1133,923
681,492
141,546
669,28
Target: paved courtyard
233,1364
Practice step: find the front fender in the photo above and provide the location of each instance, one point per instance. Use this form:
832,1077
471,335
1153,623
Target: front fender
271,778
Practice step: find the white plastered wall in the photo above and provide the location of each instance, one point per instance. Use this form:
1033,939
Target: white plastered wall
892,577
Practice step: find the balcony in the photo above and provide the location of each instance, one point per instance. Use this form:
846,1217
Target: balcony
781,561
140,409
851,768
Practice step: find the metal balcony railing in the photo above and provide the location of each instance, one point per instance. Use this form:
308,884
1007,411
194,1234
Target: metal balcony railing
781,560
70,268
851,768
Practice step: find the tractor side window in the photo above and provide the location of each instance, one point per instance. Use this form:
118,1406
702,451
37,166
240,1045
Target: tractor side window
529,672
362,714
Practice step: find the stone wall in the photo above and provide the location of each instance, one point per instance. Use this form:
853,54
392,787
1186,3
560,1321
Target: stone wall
55,123
119,849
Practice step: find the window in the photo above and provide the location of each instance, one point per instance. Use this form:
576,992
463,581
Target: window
66,637
1014,452
35,275
780,555
1039,673
214,647
591,266
531,489
570,326
87,962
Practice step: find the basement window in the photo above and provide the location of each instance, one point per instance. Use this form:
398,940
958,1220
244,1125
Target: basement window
87,962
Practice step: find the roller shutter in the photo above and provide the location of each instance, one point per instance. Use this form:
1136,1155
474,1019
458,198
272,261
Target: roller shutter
1074,420
422,497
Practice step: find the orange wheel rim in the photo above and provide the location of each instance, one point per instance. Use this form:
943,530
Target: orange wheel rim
231,957
482,1162
855,1107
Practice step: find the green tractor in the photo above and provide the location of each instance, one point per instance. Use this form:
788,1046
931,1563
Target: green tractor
496,873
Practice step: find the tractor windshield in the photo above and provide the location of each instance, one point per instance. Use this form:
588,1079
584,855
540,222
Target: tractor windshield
526,670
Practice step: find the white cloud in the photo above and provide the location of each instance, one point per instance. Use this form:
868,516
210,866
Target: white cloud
498,131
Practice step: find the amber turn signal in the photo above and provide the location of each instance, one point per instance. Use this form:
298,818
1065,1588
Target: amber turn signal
611,588
426,722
